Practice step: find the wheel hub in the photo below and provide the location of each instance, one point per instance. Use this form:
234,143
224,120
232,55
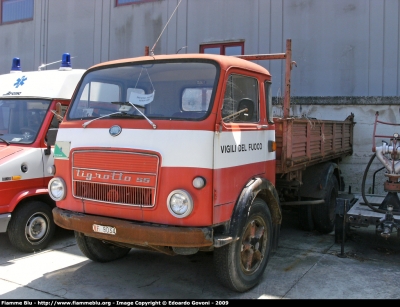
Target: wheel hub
253,247
36,228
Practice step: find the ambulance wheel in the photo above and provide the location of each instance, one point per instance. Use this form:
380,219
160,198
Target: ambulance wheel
31,227
241,264
98,250
324,215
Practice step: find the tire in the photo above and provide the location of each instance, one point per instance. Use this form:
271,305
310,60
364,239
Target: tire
324,215
305,217
31,227
254,244
99,251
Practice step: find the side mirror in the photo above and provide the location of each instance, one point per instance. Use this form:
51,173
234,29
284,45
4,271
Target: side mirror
50,140
47,151
248,104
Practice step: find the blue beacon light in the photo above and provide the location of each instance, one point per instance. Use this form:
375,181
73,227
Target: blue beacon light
66,62
16,65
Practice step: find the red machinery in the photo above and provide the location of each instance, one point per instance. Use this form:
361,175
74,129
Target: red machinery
371,209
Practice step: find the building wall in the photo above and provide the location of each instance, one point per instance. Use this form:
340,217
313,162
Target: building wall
341,47
346,51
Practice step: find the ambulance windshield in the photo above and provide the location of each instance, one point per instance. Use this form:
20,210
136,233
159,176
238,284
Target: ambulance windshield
21,119
158,90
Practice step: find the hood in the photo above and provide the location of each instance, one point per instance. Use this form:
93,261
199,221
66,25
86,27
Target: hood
7,151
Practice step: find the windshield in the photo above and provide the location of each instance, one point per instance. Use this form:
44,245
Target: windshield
161,90
20,120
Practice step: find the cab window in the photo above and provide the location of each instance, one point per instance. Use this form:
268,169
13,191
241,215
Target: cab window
241,102
51,134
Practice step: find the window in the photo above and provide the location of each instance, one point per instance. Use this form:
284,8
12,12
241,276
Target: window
181,90
21,119
196,99
51,134
268,100
236,48
96,99
241,100
16,10
126,2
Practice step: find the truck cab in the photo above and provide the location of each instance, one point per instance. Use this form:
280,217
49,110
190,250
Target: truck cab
172,153
28,129
181,154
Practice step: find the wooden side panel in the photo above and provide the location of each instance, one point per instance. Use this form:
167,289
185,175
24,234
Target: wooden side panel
302,142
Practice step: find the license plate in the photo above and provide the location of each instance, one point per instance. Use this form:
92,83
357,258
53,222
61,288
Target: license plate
104,229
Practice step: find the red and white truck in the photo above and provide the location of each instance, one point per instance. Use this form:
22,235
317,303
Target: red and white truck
28,130
181,153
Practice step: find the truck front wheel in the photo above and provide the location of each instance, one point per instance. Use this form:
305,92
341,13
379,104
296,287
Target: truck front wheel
31,227
324,215
99,251
241,264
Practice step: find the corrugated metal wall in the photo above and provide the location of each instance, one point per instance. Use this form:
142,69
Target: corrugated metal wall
342,47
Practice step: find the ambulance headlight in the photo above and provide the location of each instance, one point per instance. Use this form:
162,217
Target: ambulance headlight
57,189
51,169
180,203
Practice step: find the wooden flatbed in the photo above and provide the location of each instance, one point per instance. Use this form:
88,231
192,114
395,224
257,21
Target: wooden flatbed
302,142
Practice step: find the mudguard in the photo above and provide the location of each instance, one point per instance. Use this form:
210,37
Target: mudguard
24,195
257,187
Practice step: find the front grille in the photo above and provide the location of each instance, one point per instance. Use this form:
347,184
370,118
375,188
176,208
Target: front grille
114,193
122,178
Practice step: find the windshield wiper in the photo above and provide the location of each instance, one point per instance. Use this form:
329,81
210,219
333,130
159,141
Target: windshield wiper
8,143
88,122
124,113
233,115
127,103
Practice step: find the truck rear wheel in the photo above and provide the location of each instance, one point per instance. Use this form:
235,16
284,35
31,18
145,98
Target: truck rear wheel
99,251
241,264
31,227
324,215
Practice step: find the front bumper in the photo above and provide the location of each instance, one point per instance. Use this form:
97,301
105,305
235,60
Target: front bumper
135,233
4,220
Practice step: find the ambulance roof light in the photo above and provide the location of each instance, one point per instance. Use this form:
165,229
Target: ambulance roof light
16,65
66,62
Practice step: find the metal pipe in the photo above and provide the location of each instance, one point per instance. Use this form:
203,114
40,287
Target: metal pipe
373,179
342,254
303,202
256,57
344,228
390,164
286,99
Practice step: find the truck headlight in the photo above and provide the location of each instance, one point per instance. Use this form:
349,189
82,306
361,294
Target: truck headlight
57,189
179,203
199,182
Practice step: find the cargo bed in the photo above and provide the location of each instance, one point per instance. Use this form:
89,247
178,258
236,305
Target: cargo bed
302,142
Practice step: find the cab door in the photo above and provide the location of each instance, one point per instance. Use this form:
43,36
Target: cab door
240,147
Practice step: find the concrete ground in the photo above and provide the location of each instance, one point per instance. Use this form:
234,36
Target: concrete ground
307,265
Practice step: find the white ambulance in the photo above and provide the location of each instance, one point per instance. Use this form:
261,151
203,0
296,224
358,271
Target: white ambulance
28,127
